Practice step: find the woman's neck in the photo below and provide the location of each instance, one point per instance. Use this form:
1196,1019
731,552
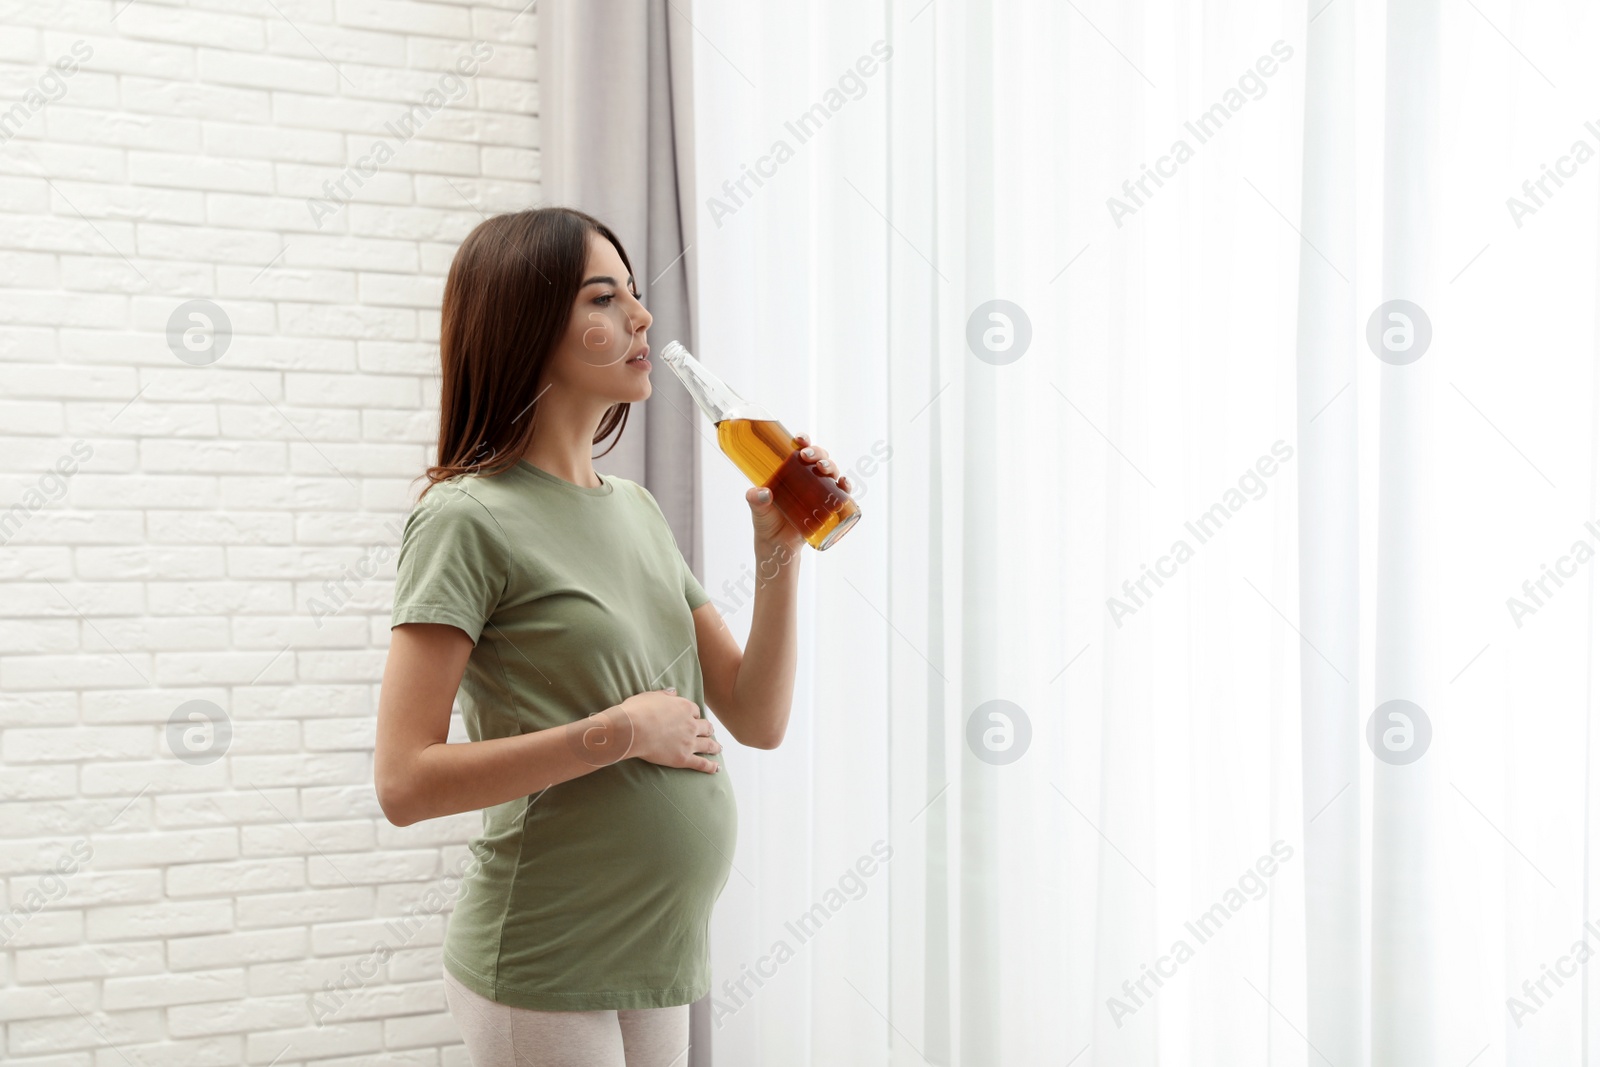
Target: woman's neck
563,437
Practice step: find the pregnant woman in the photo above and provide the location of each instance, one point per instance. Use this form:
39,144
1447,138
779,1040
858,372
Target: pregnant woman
555,604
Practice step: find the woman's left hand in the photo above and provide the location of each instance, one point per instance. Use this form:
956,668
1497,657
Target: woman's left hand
771,527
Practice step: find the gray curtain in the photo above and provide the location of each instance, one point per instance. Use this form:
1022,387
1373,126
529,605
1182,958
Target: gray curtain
616,140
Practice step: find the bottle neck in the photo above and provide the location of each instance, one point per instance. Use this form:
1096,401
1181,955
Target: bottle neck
711,394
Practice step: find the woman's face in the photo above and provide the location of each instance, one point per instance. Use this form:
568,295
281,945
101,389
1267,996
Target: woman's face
605,338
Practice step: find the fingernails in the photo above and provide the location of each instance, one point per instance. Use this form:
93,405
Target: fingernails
808,452
674,689
763,495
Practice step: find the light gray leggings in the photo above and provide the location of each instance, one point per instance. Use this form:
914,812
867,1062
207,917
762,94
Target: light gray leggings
499,1035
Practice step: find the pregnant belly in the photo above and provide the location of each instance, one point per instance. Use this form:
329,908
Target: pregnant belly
634,839
671,824
609,878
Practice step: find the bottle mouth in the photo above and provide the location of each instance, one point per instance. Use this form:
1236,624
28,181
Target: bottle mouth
673,354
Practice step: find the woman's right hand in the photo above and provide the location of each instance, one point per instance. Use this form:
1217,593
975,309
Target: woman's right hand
669,730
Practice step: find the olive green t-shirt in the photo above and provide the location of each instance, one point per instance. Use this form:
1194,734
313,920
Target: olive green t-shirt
597,892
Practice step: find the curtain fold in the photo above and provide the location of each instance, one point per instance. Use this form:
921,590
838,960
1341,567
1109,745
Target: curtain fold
1329,532
1405,795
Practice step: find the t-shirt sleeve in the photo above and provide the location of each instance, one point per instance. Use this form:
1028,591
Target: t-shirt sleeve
453,563
692,590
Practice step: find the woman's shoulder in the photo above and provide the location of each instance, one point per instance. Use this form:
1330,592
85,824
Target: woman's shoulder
453,503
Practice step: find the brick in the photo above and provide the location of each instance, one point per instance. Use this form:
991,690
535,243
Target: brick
165,990
116,959
195,100
432,20
223,668
316,1042
69,1032
216,950
166,919
424,928
307,836
125,129
238,1016
161,848
221,808
159,23
493,195
346,390
231,598
66,743
125,779
366,869
314,906
19,638
199,172
122,55
250,528
44,1001
37,783
404,290
33,709
267,71
140,490
244,141
64,598
320,768
143,706
355,322
400,357
261,701
338,43
84,162
82,670
328,734
87,887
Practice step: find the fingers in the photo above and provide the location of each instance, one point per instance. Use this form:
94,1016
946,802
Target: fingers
810,453
705,737
827,467
700,763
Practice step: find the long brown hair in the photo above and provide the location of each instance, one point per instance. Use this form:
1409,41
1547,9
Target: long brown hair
507,302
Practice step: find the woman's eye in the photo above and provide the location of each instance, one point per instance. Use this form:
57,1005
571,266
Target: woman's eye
603,300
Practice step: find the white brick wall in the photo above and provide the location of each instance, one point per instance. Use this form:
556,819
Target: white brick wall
158,910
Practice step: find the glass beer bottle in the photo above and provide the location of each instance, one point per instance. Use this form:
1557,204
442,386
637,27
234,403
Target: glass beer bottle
768,454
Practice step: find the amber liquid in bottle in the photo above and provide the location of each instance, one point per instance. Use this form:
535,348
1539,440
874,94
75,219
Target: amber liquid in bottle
767,453
769,456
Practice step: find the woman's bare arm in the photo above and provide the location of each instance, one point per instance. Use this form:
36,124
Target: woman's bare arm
420,776
417,774
751,690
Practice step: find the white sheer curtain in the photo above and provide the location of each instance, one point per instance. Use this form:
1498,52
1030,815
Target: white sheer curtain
1197,371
